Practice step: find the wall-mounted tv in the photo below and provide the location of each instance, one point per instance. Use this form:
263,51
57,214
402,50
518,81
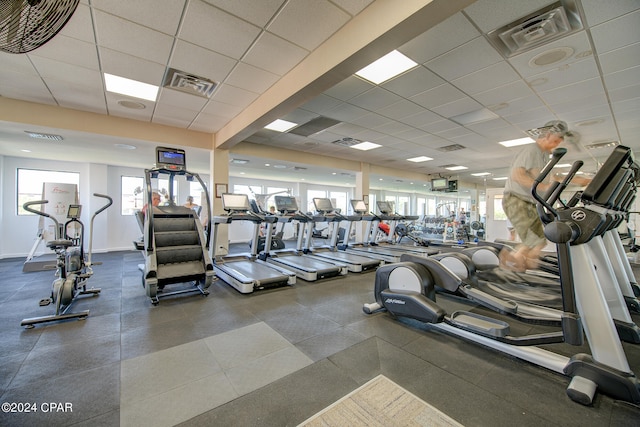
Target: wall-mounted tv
439,184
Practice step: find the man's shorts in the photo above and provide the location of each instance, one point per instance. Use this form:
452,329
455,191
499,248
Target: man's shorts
525,220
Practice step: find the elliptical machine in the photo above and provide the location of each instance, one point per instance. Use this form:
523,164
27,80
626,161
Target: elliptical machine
73,268
407,289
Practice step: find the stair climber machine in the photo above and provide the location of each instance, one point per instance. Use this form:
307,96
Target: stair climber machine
407,289
73,265
305,266
246,272
354,262
175,244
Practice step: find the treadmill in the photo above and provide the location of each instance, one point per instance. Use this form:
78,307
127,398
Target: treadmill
387,214
246,272
304,266
386,252
355,263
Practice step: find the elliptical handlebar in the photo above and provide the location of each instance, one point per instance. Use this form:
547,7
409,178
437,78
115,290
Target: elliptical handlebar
27,207
109,203
557,154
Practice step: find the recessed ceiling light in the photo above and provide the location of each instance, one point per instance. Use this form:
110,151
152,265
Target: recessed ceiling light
387,67
420,159
125,146
366,145
133,105
129,87
240,161
516,142
481,174
280,125
26,151
500,178
279,166
456,168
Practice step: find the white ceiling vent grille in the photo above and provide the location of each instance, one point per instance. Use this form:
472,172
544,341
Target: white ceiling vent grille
452,147
189,83
346,142
543,26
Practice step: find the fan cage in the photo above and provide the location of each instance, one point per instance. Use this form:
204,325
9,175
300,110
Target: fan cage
26,25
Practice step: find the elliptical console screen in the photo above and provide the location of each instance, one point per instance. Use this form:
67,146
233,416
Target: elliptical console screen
235,202
170,158
74,211
323,205
286,204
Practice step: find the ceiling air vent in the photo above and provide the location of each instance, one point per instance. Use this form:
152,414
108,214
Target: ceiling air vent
452,147
189,83
346,142
602,144
314,126
554,21
40,135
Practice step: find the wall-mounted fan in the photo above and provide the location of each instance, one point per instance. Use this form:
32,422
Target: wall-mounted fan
26,25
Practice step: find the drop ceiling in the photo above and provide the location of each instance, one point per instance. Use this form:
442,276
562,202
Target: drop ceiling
465,91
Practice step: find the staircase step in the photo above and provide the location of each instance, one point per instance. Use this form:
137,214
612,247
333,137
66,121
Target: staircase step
176,238
177,254
181,269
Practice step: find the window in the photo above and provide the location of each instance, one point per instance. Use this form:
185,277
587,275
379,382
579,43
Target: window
431,206
30,185
422,206
271,201
195,190
132,192
339,200
404,205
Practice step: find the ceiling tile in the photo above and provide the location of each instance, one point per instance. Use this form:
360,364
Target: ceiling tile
401,109
251,78
160,15
417,80
622,78
346,112
493,76
69,50
439,95
221,109
506,93
202,62
12,63
617,33
117,33
176,98
353,7
216,30
274,54
348,88
421,119
457,107
598,11
234,96
620,59
257,12
572,91
307,23
447,35
471,56
320,104
131,67
565,75
375,99
62,71
79,25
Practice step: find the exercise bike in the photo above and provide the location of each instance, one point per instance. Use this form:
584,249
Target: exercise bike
73,268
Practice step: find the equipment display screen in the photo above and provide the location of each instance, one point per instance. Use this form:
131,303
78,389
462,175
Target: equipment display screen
74,211
359,206
385,207
170,158
286,204
235,202
323,205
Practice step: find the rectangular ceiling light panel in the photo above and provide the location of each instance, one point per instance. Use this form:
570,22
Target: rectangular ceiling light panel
387,67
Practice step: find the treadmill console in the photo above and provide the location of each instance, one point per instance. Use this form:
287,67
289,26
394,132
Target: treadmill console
359,206
385,207
235,202
324,206
286,204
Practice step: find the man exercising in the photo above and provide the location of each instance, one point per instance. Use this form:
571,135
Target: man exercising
518,203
